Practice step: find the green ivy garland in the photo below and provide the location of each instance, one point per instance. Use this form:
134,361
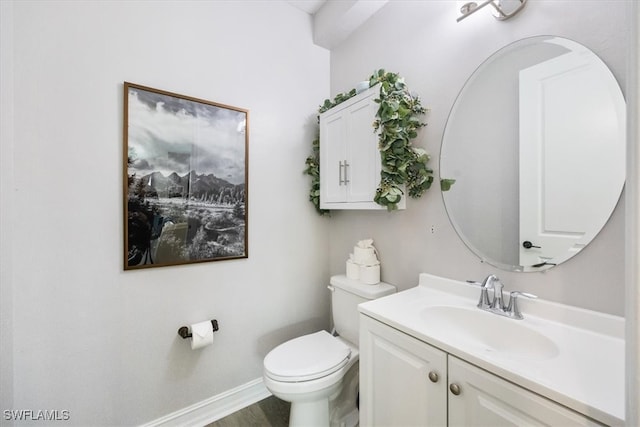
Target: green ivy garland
313,170
398,123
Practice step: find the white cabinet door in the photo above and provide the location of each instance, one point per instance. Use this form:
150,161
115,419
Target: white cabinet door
402,380
363,167
487,400
333,153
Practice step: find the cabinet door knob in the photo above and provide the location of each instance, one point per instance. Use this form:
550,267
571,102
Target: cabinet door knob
433,376
455,388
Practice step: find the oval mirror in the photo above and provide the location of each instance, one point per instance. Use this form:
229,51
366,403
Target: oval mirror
533,154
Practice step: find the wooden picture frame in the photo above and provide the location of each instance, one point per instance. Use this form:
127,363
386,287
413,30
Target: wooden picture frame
185,179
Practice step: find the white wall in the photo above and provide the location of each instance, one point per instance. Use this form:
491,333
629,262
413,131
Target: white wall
79,333
632,217
435,54
6,189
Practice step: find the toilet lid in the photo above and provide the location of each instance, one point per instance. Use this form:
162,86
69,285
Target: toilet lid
306,358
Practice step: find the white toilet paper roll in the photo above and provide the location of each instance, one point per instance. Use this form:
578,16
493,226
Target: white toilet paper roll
353,270
201,334
370,274
364,256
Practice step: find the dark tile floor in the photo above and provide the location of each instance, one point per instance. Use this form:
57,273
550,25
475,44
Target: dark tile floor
270,412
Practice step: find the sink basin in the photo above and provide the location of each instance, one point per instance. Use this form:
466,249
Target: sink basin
495,334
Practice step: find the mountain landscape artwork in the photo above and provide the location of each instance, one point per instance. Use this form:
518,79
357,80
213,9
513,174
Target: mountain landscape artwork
185,197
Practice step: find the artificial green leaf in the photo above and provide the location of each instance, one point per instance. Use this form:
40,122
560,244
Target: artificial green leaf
445,184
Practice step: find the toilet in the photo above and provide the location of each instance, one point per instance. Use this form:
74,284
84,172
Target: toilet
318,372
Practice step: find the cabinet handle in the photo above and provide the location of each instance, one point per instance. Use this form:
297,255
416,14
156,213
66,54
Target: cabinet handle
433,376
455,389
340,180
346,174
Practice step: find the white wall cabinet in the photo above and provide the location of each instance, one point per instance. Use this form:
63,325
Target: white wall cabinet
349,155
407,382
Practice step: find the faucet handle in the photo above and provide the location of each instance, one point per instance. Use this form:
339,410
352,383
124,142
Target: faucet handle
512,309
523,294
497,302
483,302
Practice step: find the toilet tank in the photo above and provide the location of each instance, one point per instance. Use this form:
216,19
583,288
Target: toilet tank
346,294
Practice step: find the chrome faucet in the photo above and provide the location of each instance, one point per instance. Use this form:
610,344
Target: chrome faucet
496,304
490,282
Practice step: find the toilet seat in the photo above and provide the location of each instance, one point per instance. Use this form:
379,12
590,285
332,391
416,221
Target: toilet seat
306,358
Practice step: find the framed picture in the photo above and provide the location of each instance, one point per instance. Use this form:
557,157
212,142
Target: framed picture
185,179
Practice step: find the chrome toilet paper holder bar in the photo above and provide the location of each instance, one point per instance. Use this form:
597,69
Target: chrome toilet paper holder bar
184,330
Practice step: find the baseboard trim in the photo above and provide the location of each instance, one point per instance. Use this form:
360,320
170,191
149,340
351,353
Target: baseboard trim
214,408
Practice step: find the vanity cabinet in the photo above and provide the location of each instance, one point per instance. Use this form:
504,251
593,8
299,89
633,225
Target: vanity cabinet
407,382
488,400
403,381
349,155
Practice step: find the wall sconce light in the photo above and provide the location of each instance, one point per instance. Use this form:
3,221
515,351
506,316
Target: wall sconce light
503,9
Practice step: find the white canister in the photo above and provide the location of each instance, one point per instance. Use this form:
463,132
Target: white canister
370,274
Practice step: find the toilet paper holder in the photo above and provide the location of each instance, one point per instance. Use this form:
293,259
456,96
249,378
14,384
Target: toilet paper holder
184,330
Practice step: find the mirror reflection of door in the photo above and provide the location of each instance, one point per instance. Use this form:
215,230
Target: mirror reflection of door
567,117
548,173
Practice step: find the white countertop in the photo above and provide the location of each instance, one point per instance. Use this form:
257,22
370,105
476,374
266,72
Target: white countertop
586,373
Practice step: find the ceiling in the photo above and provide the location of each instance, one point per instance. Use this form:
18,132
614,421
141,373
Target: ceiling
335,20
308,6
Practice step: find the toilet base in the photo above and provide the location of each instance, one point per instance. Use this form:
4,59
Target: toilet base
334,406
343,407
313,413
329,401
